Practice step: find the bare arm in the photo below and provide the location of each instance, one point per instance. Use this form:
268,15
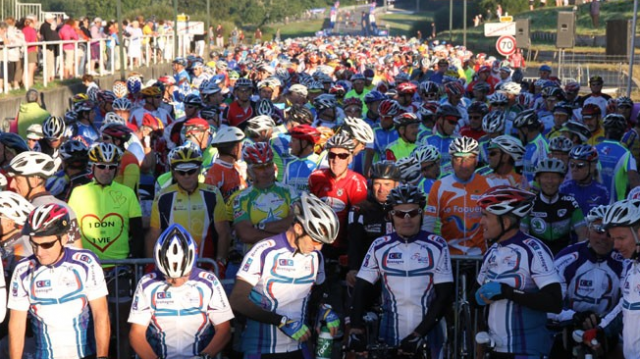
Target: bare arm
220,339
224,238
138,341
17,329
101,326
241,303
250,235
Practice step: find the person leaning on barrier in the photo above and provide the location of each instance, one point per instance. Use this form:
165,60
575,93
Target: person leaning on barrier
177,309
275,282
62,288
415,268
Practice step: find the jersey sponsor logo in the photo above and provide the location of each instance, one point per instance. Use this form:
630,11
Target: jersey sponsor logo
585,283
82,257
430,209
207,276
269,203
247,264
335,203
163,295
134,305
458,209
14,289
423,259
102,232
395,256
538,225
562,212
285,262
365,263
539,214
43,283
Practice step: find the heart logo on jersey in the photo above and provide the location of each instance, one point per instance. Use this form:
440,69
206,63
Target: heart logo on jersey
118,198
102,233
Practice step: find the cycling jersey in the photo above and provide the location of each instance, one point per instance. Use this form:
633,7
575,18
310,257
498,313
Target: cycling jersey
409,270
589,282
359,96
601,100
399,149
442,143
86,133
454,203
104,214
368,220
425,185
180,319
226,176
535,151
57,298
129,172
616,162
282,281
525,264
196,211
629,306
631,140
512,178
589,196
546,117
235,115
299,170
554,221
381,140
339,194
137,114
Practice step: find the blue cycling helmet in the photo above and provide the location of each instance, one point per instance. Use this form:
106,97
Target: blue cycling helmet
175,252
374,96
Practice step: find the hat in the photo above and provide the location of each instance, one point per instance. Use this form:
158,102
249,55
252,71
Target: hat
596,78
34,132
97,20
49,16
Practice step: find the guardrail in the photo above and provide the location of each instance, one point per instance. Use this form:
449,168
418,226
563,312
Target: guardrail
158,49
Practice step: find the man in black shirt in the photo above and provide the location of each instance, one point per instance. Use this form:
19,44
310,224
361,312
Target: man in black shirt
48,33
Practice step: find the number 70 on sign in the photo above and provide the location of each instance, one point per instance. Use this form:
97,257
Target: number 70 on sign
506,45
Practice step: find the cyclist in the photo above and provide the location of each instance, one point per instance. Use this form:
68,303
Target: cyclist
302,146
196,206
429,159
241,108
84,127
109,212
562,112
556,218
477,111
406,91
408,125
368,219
416,275
152,104
529,130
53,129
29,171
339,186
505,153
75,161
621,222
583,162
358,91
372,100
559,147
384,132
447,119
63,290
576,131
592,118
590,271
631,139
14,210
517,281
180,311
493,125
619,168
453,200
198,132
275,281
362,135
227,173
596,97
129,171
328,114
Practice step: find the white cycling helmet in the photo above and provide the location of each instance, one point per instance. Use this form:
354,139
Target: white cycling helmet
317,218
426,153
511,88
33,163
551,165
409,170
110,118
510,145
464,146
175,252
14,207
623,213
53,127
3,182
360,130
493,122
257,124
227,135
561,144
596,213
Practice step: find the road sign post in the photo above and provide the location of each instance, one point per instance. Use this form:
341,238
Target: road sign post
506,45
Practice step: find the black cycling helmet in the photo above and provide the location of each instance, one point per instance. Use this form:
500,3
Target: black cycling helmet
385,170
448,110
406,194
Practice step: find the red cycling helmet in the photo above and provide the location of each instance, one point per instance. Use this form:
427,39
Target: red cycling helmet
47,220
407,88
389,108
257,153
502,200
305,133
352,101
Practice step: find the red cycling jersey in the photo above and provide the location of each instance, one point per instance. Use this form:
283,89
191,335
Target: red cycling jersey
340,195
234,115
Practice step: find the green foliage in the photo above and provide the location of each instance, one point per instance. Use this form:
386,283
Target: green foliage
442,16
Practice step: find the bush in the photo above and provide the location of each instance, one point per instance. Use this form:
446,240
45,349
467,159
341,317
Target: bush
442,17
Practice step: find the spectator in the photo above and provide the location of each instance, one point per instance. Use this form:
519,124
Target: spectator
13,37
34,134
219,36
135,43
3,41
68,33
30,113
96,54
84,35
48,33
31,36
594,11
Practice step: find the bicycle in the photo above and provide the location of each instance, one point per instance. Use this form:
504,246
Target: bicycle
581,350
463,344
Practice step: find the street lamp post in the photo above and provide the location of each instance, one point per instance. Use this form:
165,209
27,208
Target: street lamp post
450,20
121,38
175,28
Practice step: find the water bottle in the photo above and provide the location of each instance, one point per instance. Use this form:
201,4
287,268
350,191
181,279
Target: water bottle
324,344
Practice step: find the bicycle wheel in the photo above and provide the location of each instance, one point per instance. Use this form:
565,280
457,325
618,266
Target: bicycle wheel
465,334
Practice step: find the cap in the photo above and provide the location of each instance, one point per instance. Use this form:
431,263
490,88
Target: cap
49,16
97,20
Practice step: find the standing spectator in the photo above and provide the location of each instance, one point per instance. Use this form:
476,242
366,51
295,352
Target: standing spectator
499,11
257,37
14,37
234,36
3,41
48,33
96,35
517,59
30,113
67,33
594,11
219,36
30,36
84,35
135,43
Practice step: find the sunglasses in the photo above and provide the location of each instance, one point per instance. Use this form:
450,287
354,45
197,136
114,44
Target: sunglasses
185,173
406,214
494,153
577,165
46,245
598,228
244,90
106,138
342,156
475,117
452,122
107,167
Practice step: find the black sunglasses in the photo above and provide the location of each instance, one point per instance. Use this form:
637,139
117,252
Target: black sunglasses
107,167
406,214
342,156
186,172
46,245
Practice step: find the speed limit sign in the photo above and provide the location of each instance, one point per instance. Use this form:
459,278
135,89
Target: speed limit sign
506,45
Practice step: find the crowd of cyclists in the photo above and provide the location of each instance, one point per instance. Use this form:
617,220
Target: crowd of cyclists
323,177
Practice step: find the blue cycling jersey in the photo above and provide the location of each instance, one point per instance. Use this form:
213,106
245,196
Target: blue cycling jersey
381,140
441,142
588,196
535,151
616,162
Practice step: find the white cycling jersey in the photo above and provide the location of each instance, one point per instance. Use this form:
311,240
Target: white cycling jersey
57,297
409,270
526,264
282,281
180,319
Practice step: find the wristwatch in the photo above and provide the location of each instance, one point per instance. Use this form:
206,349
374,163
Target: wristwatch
261,226
283,321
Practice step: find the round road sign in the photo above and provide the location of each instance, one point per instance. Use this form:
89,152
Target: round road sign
506,45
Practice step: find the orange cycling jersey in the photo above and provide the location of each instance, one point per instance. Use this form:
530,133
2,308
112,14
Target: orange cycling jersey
454,203
129,172
226,176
